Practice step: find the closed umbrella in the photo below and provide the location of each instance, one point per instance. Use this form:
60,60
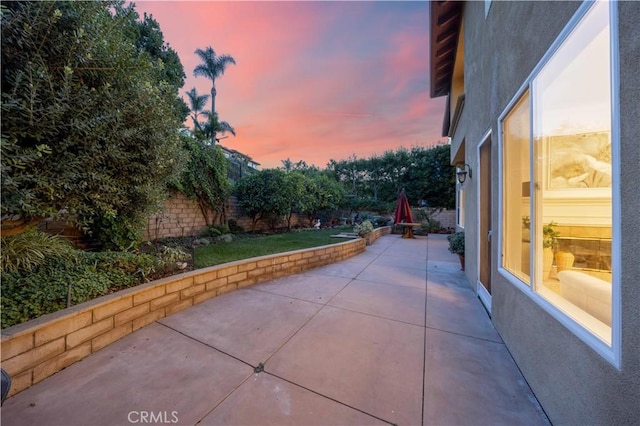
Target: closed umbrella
403,209
403,215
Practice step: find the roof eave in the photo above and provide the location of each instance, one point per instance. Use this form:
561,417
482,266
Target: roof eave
446,17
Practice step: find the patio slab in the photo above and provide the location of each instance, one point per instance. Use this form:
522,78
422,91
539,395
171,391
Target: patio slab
247,324
459,313
369,363
268,400
470,381
395,302
309,286
394,275
448,280
344,269
395,261
152,370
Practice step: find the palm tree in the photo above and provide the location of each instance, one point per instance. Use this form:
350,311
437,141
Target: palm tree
212,67
196,103
213,125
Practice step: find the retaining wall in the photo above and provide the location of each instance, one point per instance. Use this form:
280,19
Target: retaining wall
35,350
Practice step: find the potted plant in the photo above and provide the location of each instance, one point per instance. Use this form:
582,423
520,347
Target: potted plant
456,245
549,241
364,230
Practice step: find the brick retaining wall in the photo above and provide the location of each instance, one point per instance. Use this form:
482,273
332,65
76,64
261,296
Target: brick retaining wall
36,349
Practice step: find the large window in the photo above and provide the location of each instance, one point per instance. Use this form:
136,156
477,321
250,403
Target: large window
557,178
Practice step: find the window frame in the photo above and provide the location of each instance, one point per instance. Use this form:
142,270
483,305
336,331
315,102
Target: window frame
612,353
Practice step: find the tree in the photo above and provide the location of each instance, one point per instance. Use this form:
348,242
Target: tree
212,67
425,173
350,172
438,176
321,193
89,123
167,65
374,174
213,126
297,197
262,195
301,166
196,104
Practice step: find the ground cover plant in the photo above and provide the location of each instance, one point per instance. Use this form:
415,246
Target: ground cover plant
43,273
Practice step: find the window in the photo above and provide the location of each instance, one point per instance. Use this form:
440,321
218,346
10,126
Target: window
557,178
516,241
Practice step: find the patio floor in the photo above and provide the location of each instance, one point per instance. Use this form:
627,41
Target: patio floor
392,336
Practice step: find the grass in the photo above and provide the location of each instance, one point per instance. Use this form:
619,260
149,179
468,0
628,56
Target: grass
259,245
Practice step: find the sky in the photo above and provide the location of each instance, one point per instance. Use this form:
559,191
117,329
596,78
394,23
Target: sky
313,81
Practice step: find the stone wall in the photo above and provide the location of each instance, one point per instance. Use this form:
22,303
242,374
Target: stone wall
447,218
182,216
233,212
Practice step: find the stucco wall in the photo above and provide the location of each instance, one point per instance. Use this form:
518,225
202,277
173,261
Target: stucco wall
574,384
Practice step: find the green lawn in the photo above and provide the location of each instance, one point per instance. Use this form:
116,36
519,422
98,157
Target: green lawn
244,247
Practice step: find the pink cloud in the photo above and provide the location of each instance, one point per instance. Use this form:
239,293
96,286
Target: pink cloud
314,81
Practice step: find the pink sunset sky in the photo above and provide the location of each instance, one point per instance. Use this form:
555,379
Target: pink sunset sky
314,81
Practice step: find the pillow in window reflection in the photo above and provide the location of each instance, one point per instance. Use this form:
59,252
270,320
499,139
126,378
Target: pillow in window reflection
590,294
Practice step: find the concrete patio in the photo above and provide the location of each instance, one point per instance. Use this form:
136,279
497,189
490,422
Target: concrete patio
391,336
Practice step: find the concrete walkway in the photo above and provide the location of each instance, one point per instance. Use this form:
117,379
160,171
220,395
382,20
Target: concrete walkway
392,336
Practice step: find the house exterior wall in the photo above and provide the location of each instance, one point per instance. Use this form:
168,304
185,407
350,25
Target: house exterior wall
574,384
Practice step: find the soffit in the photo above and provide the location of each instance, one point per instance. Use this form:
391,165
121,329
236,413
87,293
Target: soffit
446,17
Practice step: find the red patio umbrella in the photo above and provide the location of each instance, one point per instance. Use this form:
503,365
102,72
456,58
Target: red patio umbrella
403,209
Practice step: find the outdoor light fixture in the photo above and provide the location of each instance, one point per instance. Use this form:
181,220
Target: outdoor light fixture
462,174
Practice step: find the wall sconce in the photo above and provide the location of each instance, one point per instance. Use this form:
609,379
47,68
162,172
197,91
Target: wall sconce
462,174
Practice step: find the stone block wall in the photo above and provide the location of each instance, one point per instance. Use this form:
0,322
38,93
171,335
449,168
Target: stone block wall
447,218
182,216
233,212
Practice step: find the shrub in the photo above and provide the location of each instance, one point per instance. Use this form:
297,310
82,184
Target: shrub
49,285
456,243
26,251
363,229
431,225
90,112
